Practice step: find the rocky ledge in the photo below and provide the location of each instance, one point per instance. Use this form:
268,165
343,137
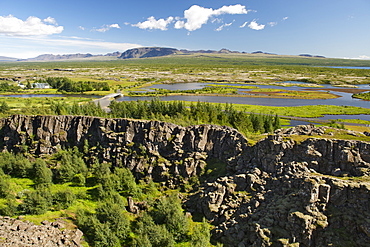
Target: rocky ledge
279,192
16,232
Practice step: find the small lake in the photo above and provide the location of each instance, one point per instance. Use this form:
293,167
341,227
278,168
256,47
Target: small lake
258,101
361,116
344,99
197,85
347,67
298,122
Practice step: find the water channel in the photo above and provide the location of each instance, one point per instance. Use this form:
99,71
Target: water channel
345,98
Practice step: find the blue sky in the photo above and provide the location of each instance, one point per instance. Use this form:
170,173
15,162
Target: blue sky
332,28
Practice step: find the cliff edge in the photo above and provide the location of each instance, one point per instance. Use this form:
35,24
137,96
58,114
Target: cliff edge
278,192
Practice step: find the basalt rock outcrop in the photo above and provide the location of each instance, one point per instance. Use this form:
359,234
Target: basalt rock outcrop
15,232
276,193
161,151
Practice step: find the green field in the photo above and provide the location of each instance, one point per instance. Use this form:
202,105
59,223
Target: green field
133,74
200,67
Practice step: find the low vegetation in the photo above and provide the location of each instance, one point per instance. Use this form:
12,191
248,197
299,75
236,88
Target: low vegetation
203,91
95,198
294,94
363,96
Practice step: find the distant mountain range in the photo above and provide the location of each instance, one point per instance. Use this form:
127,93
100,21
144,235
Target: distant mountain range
141,52
7,59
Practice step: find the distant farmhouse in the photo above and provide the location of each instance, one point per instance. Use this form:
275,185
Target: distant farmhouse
41,85
21,85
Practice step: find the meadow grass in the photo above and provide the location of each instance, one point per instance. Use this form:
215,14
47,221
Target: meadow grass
256,68
310,111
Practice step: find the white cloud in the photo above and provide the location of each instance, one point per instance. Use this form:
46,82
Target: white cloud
217,20
255,26
193,19
220,28
152,23
244,24
51,20
285,18
82,28
272,24
179,24
232,9
105,28
33,26
196,16
114,26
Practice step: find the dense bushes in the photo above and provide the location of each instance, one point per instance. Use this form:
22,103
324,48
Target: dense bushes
67,85
6,87
89,109
177,112
98,204
199,113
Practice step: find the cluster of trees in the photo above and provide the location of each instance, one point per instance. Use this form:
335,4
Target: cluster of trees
64,180
67,85
6,87
199,113
37,200
4,107
205,90
177,112
88,109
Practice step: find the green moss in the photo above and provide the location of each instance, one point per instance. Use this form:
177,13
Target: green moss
214,168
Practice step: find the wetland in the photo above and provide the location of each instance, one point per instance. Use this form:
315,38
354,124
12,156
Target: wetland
264,83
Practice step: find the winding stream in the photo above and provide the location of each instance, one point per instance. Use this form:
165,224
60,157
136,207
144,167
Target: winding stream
344,99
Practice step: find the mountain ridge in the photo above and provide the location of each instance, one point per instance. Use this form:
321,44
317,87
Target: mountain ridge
139,52
7,59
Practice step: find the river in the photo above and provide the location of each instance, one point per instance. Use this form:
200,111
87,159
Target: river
344,99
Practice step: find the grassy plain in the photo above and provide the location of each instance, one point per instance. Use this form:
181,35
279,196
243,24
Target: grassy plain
200,67
293,94
133,74
37,105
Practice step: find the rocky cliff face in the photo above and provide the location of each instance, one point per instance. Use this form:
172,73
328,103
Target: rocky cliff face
148,52
156,149
278,192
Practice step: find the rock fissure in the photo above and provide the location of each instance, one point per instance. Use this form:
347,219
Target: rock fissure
278,192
